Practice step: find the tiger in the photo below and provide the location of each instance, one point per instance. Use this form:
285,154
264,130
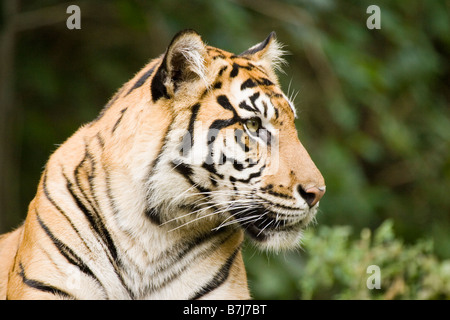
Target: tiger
154,198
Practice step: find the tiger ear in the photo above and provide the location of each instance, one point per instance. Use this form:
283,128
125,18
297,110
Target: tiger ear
269,53
184,61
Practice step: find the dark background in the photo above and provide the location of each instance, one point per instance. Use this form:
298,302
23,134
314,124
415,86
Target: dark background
373,110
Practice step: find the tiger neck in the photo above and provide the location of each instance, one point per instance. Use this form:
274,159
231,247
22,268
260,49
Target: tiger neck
158,257
138,258
169,265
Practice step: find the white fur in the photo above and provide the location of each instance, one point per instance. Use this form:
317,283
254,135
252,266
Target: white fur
274,54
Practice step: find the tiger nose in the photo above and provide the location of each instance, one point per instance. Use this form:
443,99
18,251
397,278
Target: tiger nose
311,195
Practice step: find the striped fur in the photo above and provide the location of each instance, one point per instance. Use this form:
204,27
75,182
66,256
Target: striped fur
152,199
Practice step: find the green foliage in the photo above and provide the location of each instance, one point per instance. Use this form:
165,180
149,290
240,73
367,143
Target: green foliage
334,265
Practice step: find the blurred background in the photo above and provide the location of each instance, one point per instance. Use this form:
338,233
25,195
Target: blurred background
373,110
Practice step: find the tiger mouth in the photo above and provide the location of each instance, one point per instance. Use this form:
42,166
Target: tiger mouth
259,222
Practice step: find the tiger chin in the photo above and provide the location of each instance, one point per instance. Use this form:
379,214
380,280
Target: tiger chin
152,199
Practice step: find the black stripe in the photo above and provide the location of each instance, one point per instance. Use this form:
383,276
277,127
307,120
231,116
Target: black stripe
50,199
188,139
109,192
250,177
222,70
182,249
225,103
249,83
220,124
41,286
183,168
93,215
244,105
90,180
154,216
186,171
276,95
213,132
65,250
253,99
234,71
212,180
219,278
142,79
118,120
215,128
210,167
237,165
281,195
84,165
265,82
158,89
223,158
219,56
94,220
251,162
265,108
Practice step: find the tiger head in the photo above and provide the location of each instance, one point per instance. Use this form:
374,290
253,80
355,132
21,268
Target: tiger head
231,157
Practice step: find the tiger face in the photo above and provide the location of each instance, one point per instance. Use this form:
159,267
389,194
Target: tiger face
232,156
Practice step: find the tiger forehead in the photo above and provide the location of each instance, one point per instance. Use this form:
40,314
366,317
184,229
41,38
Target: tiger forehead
245,74
233,60
216,53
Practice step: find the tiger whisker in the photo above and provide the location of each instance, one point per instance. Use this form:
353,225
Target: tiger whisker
188,214
271,221
239,220
191,221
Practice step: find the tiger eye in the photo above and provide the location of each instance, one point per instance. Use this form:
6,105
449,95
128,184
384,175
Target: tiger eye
253,125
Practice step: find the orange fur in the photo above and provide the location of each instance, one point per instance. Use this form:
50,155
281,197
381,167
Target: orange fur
92,193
